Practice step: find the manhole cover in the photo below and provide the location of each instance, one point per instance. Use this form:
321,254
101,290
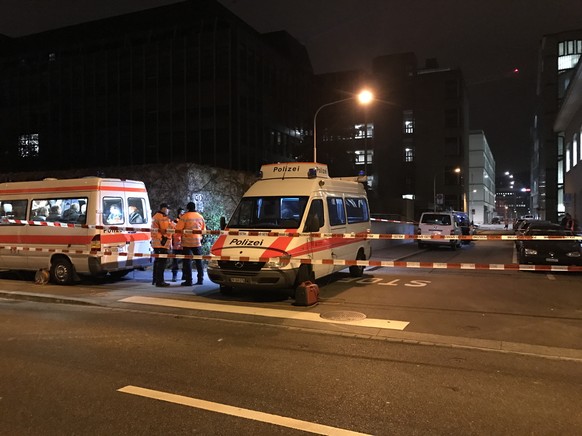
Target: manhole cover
343,315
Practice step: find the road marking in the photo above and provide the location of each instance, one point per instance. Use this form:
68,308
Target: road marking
261,311
551,277
196,403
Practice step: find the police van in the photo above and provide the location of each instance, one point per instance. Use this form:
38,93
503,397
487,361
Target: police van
73,227
294,198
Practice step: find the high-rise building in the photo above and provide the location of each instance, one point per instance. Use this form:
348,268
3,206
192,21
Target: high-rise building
558,55
481,192
568,126
412,140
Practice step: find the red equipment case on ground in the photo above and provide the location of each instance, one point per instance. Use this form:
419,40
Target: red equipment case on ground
306,294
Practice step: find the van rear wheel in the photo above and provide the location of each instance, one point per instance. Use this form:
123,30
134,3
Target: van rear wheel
355,270
62,271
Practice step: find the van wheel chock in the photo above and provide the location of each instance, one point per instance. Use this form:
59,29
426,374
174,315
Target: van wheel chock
41,277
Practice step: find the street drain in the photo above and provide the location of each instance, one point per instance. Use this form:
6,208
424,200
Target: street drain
343,315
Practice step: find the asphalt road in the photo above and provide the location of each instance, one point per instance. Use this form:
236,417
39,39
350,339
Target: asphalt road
509,311
72,369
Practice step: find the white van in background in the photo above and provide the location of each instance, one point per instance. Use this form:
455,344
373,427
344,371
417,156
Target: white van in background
77,247
441,224
296,197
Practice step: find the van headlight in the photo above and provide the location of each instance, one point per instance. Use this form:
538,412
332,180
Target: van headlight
278,262
530,252
213,263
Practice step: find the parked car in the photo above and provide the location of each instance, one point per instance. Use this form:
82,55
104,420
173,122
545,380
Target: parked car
553,251
522,228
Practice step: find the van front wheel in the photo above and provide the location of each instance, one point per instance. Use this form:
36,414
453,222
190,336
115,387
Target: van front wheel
355,270
62,271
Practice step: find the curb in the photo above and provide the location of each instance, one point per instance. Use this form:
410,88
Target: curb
40,298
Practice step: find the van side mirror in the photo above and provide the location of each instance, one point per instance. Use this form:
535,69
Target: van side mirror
222,223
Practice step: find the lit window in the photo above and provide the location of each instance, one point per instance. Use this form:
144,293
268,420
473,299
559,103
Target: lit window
361,156
408,196
362,132
568,54
575,151
408,154
28,145
408,121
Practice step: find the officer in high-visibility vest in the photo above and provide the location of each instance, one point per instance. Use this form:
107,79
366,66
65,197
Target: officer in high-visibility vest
161,242
191,243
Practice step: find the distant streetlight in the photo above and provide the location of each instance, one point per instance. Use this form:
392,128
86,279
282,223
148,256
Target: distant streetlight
457,171
365,97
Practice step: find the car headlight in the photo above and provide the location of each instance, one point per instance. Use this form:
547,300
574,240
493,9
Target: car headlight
278,262
573,254
530,252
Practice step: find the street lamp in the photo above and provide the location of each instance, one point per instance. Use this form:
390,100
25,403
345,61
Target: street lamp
434,196
365,97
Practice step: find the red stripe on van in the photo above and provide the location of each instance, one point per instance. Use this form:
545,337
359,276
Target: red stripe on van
111,238
36,240
71,189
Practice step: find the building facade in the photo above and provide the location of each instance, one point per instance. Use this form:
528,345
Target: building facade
412,140
188,82
568,127
558,56
481,192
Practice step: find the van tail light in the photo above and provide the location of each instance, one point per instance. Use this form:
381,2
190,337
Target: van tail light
96,243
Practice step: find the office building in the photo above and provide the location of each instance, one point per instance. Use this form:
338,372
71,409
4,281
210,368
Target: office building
558,55
188,82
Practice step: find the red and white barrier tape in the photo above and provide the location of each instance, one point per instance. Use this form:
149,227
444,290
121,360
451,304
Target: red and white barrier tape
364,263
361,235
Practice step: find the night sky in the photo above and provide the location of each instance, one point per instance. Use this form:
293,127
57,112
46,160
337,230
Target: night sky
487,39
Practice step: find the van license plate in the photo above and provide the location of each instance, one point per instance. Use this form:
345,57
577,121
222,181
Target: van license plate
238,280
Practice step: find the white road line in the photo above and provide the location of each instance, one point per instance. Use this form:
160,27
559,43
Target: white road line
238,411
260,311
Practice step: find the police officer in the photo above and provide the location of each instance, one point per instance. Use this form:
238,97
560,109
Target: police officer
191,243
161,242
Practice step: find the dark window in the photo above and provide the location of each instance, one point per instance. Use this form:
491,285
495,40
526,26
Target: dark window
337,214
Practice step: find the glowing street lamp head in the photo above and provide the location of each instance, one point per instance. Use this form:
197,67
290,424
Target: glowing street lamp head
457,170
365,97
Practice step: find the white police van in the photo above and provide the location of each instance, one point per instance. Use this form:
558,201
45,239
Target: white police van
296,198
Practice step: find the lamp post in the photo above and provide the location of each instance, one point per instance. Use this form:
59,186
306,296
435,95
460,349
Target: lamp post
434,195
364,97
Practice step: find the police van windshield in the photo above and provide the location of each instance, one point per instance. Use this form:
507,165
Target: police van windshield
269,213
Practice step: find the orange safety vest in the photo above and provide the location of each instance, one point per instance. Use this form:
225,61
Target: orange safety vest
160,224
191,221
